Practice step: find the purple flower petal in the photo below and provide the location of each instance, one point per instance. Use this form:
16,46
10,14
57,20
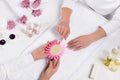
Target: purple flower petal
37,12
25,3
36,3
22,19
11,24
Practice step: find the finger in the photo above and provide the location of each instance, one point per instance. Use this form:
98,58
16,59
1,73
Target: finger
45,55
75,44
50,64
72,41
56,63
73,47
78,48
58,28
47,65
67,34
61,31
45,45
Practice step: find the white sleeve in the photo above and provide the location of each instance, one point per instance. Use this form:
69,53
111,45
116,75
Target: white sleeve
112,25
68,3
14,66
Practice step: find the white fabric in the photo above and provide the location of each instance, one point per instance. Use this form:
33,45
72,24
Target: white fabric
50,15
69,3
80,24
114,24
9,70
103,7
13,7
71,60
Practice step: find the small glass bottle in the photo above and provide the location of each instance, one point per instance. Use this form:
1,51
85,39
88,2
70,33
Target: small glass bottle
113,67
117,62
114,61
114,53
107,61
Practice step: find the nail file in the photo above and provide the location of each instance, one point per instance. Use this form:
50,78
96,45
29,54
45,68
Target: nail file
92,72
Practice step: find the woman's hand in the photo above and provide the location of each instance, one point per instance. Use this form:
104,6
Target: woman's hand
63,29
39,53
50,70
80,42
84,41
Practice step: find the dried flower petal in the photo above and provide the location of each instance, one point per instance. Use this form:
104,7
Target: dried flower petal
37,12
25,3
11,24
22,19
36,3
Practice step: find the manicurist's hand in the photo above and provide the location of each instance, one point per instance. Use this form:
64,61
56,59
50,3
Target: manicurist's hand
63,29
50,70
39,53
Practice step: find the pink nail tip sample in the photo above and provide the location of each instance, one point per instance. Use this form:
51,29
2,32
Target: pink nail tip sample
22,19
36,3
37,12
25,3
54,50
11,24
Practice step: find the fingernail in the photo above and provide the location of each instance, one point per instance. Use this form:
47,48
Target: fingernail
52,59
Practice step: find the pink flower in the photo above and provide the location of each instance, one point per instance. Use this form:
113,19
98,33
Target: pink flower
36,3
22,19
54,50
25,3
11,24
36,12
